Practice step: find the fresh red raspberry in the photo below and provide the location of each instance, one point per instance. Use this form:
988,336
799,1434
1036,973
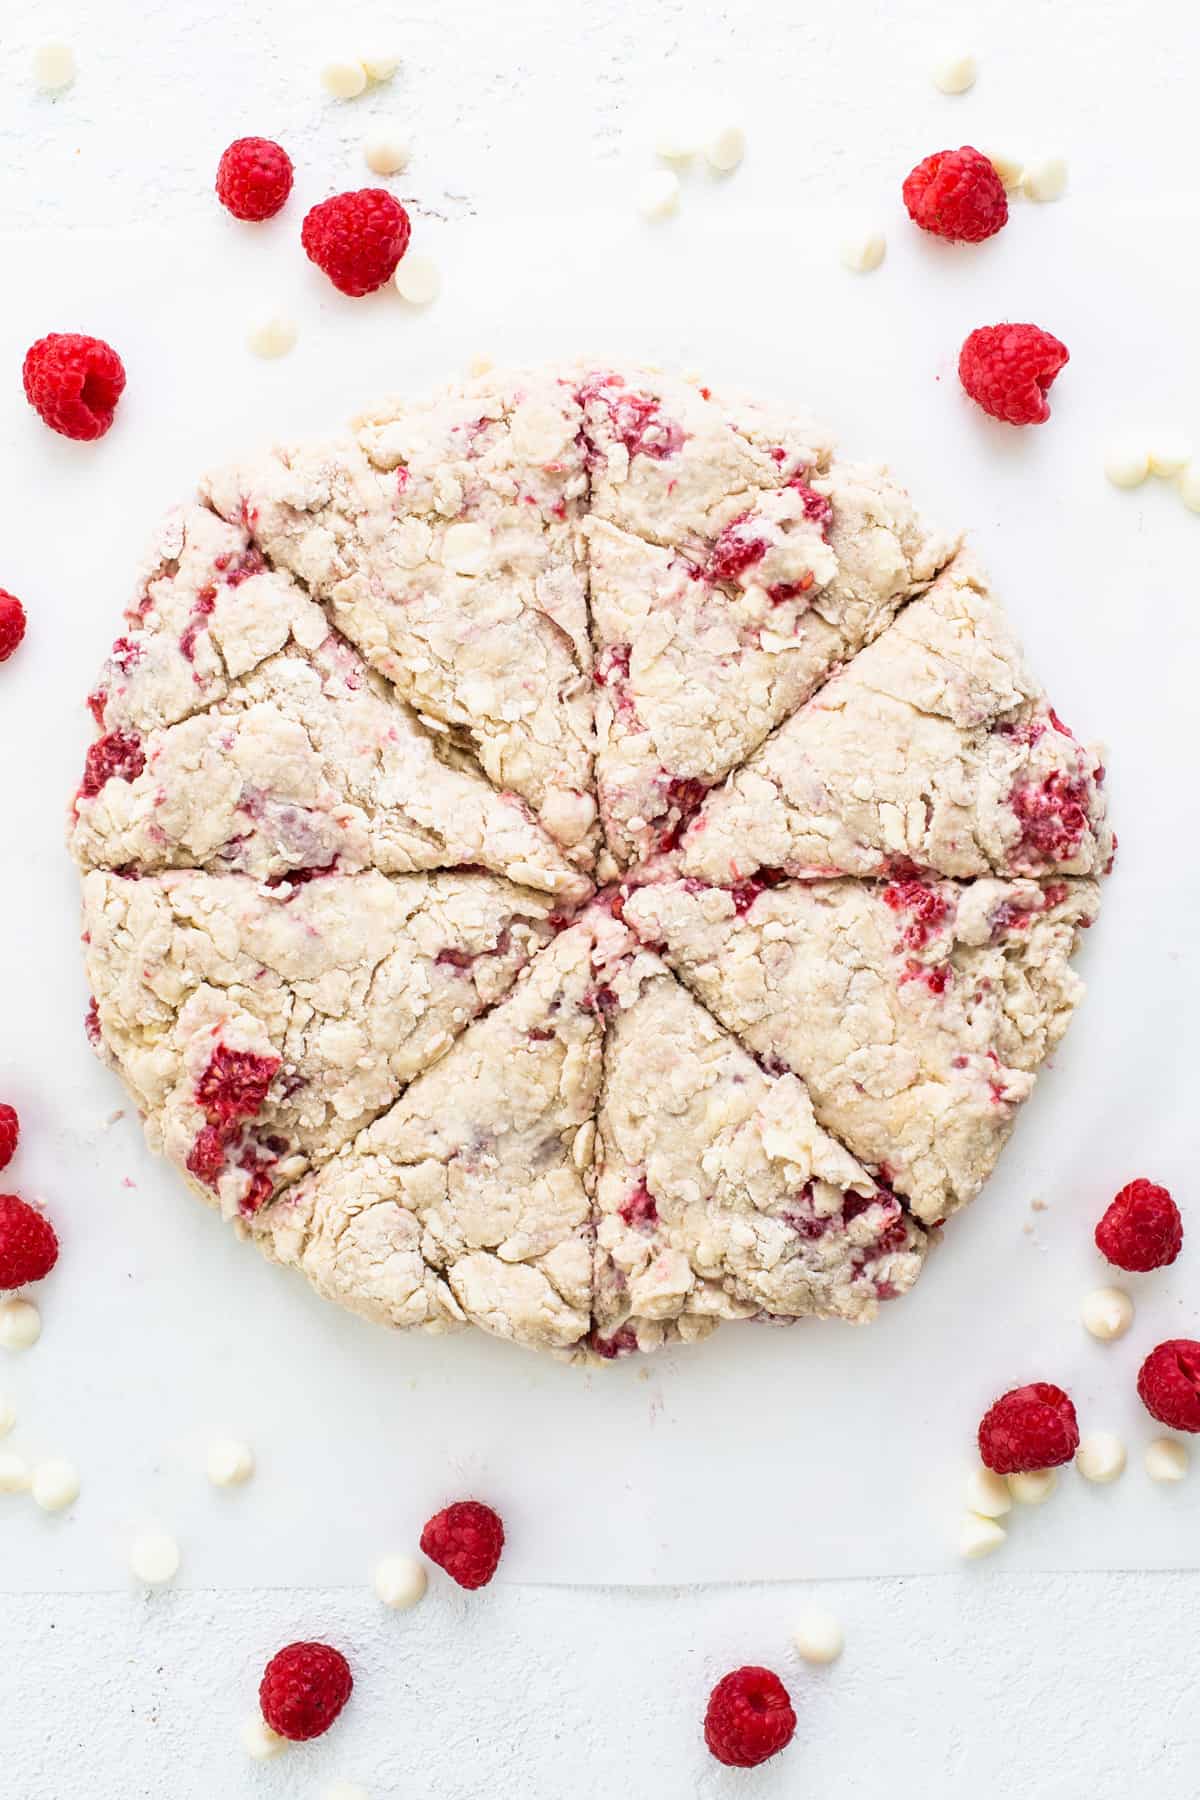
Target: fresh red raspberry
10,1131
749,1718
1169,1384
12,623
303,1689
357,238
1031,1427
234,1085
1008,369
466,1540
1142,1228
73,383
956,194
254,178
28,1243
118,755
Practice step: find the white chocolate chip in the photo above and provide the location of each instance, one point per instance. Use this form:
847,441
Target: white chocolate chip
955,72
1045,179
818,1636
274,334
387,150
1167,1459
465,548
417,280
1189,486
259,1741
658,196
230,1462
8,1415
677,140
1169,455
1100,1456
345,80
863,249
1107,1313
381,65
1008,168
987,1494
55,1484
53,67
400,1581
20,1324
726,148
1127,465
1032,1486
154,1558
15,1474
979,1537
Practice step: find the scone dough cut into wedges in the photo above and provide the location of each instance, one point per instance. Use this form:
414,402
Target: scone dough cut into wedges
915,1013
467,1202
308,765
935,747
703,648
260,1029
718,1196
445,540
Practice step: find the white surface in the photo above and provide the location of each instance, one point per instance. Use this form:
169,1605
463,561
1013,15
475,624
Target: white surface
530,133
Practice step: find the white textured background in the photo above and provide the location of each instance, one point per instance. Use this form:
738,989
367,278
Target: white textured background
533,124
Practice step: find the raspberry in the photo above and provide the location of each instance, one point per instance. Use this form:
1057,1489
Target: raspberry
466,1540
12,623
254,178
1142,1228
956,194
234,1085
119,755
1030,1427
10,1131
357,238
1007,369
28,1243
1169,1384
303,1689
749,1718
73,383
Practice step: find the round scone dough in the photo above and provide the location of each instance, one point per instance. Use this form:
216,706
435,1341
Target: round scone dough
578,858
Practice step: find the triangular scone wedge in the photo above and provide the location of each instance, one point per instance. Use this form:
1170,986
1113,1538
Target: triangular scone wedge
718,1196
934,748
914,1013
468,1202
703,650
310,763
260,1029
444,539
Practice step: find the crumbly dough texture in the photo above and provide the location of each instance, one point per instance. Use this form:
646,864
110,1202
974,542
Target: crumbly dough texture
578,858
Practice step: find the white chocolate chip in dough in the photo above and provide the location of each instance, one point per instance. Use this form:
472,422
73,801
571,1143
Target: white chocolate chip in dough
987,1494
230,1462
465,548
658,196
272,334
863,249
1107,1313
417,280
53,67
818,1636
1100,1457
1169,454
1127,465
1167,1459
55,1484
344,78
726,148
15,1474
1032,1486
259,1741
387,150
1045,179
154,1558
955,72
20,1324
400,1581
979,1537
